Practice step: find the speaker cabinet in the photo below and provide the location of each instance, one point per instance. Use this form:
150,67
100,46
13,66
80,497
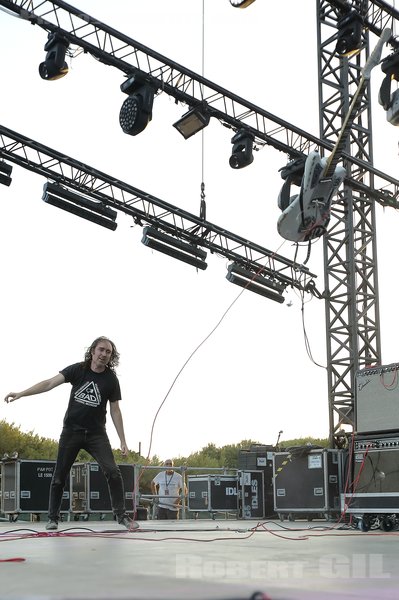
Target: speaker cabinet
375,487
377,399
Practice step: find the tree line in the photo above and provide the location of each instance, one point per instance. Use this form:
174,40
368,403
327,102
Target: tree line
30,446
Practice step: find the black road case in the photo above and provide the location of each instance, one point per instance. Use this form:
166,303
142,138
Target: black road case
26,487
251,494
212,493
307,483
89,489
242,494
260,458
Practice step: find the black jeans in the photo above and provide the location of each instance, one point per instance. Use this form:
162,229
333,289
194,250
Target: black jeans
167,513
97,444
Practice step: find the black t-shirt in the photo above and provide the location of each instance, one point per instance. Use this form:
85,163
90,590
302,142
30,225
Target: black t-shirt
87,408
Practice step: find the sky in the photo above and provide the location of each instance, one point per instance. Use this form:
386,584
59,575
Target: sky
65,281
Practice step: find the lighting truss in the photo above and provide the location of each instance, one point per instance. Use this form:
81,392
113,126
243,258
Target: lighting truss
147,209
116,49
77,204
172,246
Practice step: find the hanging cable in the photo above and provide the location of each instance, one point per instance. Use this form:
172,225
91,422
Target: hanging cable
203,202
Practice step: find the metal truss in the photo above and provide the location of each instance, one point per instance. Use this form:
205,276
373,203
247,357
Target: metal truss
377,14
146,209
350,253
352,315
113,48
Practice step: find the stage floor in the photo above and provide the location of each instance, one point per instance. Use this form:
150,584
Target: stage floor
198,560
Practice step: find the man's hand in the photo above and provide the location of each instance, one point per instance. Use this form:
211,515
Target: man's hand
11,397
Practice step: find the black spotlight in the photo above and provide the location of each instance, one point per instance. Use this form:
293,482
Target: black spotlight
192,121
136,111
350,27
5,173
54,66
242,149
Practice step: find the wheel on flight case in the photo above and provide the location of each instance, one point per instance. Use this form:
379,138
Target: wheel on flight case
13,518
365,523
388,523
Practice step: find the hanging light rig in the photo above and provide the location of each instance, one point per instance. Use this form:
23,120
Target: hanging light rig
241,155
255,281
5,173
173,246
136,111
192,122
350,29
79,205
54,66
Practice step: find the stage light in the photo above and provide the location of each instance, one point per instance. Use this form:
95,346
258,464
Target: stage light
193,121
54,66
5,173
390,102
255,282
242,149
136,111
350,27
188,253
79,205
241,3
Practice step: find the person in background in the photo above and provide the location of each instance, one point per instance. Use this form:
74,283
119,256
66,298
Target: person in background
167,486
94,384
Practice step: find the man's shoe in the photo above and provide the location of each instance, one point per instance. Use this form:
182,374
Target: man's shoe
52,525
127,522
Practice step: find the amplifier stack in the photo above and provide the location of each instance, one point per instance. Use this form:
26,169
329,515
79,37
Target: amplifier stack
375,481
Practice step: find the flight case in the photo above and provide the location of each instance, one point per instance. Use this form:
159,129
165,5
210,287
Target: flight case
307,483
212,493
90,494
26,487
242,494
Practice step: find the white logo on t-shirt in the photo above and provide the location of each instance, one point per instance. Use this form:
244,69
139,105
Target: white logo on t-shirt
88,394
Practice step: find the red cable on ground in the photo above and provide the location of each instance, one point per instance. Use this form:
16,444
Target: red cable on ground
18,559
